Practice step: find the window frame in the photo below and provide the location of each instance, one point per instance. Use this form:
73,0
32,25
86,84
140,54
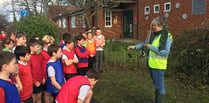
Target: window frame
167,3
60,23
110,18
83,21
64,25
145,11
73,24
158,8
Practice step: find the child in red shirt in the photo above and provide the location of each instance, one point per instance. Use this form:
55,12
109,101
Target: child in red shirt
21,39
65,36
25,75
83,55
47,41
69,59
3,36
78,89
8,89
37,71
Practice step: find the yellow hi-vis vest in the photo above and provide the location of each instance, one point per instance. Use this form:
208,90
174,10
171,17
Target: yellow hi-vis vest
155,60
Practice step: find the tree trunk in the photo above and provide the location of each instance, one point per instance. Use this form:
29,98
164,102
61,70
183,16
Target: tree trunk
87,20
35,8
13,10
27,5
45,4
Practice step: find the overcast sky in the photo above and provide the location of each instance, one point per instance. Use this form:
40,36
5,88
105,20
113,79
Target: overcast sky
5,8
4,2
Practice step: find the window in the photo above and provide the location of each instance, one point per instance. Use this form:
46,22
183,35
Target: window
60,23
146,9
156,8
108,19
167,7
84,23
64,23
198,6
73,23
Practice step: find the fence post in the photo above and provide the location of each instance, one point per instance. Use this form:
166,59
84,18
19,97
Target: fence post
106,57
130,64
124,60
115,56
121,63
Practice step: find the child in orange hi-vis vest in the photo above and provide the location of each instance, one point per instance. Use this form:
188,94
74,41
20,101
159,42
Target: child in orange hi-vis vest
91,46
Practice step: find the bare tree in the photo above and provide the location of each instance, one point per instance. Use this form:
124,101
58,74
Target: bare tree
13,11
34,7
90,8
27,6
3,22
45,4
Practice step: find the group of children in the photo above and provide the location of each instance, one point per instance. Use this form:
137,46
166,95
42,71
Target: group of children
44,67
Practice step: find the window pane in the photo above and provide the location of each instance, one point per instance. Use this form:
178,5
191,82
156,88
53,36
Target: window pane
64,23
73,24
108,23
167,7
108,17
147,9
107,14
60,24
156,8
198,6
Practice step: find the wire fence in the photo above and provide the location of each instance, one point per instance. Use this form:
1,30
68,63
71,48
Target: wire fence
117,57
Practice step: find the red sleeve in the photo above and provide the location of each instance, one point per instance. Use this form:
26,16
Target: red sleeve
2,95
81,55
61,42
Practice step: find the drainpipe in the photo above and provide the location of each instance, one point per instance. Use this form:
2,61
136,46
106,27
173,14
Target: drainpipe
137,26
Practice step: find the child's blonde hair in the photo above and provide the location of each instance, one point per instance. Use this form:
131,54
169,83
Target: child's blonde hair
48,39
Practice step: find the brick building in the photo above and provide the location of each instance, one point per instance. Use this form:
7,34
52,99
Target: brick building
132,18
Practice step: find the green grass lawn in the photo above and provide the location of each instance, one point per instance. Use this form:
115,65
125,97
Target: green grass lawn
126,80
136,87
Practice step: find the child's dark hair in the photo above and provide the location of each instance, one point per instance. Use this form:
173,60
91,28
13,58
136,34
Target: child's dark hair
7,41
80,37
6,58
21,51
98,29
35,37
87,29
33,42
68,41
53,48
93,73
20,34
66,35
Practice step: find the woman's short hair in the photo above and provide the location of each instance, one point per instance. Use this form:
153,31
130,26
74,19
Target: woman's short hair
160,21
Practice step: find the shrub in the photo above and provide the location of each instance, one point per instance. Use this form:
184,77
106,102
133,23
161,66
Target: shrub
190,54
38,26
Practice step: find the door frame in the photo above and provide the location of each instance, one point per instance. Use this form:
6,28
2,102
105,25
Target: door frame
125,34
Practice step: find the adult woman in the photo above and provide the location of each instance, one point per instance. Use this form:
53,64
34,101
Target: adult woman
158,50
